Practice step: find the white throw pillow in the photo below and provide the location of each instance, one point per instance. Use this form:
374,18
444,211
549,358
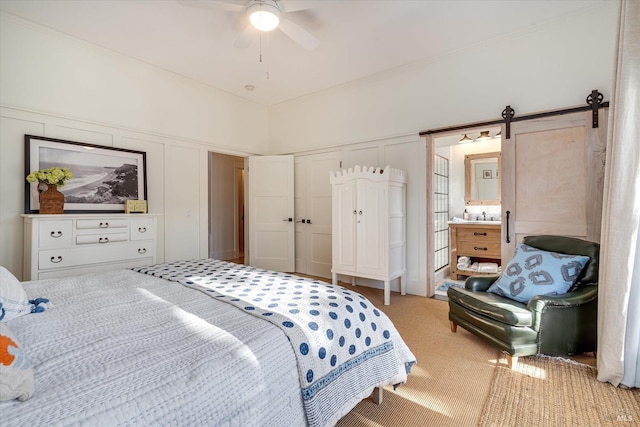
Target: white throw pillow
13,299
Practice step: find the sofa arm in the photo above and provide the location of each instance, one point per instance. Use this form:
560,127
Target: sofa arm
572,299
479,283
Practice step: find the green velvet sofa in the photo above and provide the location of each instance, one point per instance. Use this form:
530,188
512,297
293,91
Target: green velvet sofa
552,325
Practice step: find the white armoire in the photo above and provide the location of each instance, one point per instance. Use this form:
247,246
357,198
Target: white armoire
369,225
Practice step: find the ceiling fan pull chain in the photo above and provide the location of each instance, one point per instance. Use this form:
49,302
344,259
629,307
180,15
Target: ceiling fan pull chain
268,55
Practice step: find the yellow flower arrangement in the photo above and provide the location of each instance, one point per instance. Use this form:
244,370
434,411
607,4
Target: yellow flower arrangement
55,175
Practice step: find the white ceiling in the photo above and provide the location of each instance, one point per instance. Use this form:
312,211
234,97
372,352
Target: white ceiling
357,38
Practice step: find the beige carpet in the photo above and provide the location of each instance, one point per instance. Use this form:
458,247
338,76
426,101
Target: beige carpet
462,381
449,384
545,391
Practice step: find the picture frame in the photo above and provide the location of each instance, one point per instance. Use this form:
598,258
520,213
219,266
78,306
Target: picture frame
486,174
104,177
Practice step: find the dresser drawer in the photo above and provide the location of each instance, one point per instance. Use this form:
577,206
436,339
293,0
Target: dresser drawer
104,223
55,234
479,249
478,235
142,228
60,258
95,239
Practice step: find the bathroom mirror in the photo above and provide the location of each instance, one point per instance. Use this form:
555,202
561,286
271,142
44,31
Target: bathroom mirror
482,177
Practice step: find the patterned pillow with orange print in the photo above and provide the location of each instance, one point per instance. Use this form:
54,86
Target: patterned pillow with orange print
16,372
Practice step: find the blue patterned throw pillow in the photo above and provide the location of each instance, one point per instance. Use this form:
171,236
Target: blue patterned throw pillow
533,271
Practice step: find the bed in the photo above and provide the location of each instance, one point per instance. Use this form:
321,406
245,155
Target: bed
200,342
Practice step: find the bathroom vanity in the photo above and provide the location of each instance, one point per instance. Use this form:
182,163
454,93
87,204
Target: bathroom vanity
479,240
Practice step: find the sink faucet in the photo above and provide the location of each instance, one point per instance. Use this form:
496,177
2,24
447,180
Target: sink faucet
484,216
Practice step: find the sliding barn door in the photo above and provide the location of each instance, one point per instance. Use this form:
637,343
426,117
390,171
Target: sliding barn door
270,208
553,175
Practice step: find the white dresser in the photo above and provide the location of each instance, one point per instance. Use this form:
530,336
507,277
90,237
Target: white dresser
369,225
70,245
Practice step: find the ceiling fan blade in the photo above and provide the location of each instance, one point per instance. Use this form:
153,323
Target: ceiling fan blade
246,37
299,35
293,6
231,5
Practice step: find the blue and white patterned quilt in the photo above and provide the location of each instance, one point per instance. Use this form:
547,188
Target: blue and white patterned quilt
344,346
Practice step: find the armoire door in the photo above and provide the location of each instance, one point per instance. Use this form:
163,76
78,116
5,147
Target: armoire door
371,230
271,212
344,227
552,178
313,212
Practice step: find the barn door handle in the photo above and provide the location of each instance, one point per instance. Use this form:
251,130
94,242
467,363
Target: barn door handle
508,213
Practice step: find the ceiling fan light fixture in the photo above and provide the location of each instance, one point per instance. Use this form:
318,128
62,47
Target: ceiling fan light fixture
264,15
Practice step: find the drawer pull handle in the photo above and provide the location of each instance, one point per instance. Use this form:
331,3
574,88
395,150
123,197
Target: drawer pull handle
476,233
56,234
142,251
475,248
104,225
103,240
355,212
142,229
56,259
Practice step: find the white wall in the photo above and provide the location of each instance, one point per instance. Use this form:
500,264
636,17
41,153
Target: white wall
55,86
550,66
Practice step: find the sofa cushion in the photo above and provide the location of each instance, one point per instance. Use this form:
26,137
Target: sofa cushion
491,305
533,271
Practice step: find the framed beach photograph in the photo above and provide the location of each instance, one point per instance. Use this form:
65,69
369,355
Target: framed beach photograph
103,177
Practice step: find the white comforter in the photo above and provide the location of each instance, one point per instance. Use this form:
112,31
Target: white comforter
344,346
124,348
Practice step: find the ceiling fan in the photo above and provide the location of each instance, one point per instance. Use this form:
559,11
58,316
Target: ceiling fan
263,15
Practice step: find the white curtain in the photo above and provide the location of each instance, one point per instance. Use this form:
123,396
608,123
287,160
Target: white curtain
619,287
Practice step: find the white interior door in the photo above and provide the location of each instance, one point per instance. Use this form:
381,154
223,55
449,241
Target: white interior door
552,178
271,212
313,212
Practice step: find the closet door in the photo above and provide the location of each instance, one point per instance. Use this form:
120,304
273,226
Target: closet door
270,208
372,227
553,175
313,212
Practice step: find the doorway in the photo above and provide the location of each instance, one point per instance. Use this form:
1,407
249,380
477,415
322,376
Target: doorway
448,151
226,207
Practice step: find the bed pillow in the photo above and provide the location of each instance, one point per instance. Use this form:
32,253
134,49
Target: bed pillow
13,299
533,271
16,373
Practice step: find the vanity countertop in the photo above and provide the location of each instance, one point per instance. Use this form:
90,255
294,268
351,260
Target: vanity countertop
458,221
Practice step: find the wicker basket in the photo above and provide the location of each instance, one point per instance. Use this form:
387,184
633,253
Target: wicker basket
51,200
